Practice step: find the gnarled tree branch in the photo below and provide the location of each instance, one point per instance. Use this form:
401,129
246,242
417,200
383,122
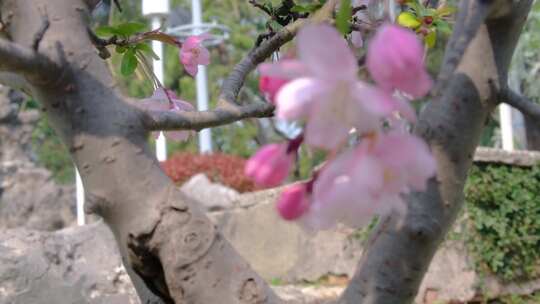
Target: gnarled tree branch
522,103
26,61
206,119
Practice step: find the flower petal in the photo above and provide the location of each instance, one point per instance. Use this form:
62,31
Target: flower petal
324,129
294,99
381,103
204,56
326,53
395,61
285,69
181,105
293,202
194,41
270,166
342,192
153,105
191,69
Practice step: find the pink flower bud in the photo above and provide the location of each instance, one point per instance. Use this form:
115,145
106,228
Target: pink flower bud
395,61
270,86
270,166
293,202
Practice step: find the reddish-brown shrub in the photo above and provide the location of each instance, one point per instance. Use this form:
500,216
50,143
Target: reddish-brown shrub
220,168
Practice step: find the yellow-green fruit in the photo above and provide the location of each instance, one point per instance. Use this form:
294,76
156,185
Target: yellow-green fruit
409,20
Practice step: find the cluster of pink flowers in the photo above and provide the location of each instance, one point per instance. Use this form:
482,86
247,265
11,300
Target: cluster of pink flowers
321,88
192,54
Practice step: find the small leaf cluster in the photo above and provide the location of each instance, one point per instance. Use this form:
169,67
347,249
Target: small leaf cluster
503,205
283,12
133,51
308,8
427,22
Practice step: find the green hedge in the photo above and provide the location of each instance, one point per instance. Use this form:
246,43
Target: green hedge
503,209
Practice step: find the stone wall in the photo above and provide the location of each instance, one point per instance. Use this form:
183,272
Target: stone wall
28,195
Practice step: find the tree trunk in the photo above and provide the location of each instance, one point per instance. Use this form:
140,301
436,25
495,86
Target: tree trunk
399,252
533,133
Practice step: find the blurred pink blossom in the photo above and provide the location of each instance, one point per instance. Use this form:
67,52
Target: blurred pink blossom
329,96
270,166
270,86
293,201
395,61
194,53
369,180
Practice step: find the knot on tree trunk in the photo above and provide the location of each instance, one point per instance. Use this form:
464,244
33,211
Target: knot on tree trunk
181,237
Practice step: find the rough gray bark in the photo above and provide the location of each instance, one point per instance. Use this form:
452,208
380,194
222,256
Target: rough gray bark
400,251
533,133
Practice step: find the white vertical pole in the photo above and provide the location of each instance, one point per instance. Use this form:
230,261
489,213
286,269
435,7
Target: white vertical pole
507,130
205,136
79,193
157,47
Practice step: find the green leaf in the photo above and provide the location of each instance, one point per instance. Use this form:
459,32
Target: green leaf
343,17
430,39
129,63
105,31
307,8
121,49
429,12
275,25
145,48
443,27
416,7
130,28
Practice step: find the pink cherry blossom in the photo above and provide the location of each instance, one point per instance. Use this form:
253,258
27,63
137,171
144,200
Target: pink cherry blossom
270,86
395,61
159,102
369,180
409,160
345,192
194,53
330,97
275,75
270,166
293,202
